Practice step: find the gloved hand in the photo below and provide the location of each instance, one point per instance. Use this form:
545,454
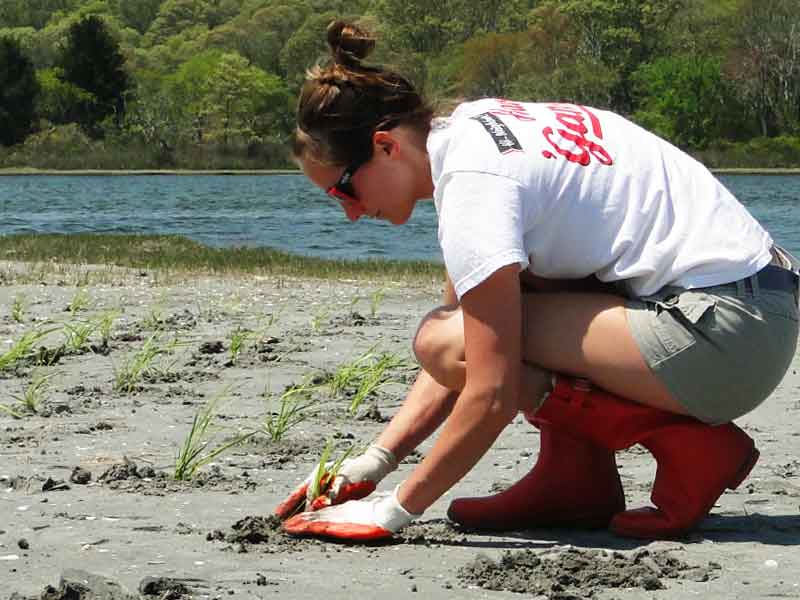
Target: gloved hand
374,518
356,479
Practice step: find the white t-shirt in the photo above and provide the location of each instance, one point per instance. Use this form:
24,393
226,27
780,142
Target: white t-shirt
569,191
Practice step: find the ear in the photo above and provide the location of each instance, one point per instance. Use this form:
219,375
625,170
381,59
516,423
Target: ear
385,144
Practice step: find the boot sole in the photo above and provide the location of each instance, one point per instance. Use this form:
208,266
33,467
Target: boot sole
738,479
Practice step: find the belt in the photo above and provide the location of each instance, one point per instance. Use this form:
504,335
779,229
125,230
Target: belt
773,277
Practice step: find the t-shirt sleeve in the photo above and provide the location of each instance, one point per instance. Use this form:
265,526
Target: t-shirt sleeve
480,227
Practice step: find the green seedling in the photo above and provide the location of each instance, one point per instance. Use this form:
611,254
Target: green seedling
31,398
365,375
22,348
77,335
105,324
18,308
293,407
154,318
375,301
135,367
319,319
195,451
238,340
326,471
80,302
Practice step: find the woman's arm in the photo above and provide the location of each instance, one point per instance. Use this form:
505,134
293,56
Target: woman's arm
492,324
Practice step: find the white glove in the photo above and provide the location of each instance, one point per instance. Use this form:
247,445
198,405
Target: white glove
356,479
376,517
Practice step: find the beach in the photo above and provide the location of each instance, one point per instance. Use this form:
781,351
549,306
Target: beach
88,489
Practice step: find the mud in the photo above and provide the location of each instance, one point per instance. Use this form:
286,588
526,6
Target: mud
87,482
577,573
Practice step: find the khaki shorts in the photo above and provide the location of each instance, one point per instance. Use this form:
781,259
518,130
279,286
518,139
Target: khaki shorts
720,350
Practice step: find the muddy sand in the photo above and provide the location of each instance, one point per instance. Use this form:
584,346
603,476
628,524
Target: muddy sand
89,507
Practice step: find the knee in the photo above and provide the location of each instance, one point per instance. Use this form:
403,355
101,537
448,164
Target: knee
439,342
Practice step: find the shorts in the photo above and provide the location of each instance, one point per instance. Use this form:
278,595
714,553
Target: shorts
720,350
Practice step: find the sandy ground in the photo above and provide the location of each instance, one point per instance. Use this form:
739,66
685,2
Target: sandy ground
126,525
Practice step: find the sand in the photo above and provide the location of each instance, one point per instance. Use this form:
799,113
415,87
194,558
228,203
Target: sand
89,508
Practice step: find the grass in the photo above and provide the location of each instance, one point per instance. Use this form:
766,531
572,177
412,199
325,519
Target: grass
18,308
375,301
77,335
105,324
34,394
133,369
80,302
197,449
23,347
326,471
293,406
364,375
239,338
178,254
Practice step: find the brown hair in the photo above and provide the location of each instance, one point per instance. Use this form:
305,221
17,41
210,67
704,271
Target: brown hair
344,102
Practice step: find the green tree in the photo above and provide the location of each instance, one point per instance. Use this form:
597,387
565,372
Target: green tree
60,101
240,100
765,64
18,92
306,46
489,63
176,16
138,15
32,13
621,35
93,62
687,101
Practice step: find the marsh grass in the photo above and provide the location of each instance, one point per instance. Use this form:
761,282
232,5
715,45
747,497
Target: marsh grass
375,300
198,448
172,254
77,334
105,325
128,375
238,340
320,318
293,408
365,375
326,471
18,308
80,302
34,393
23,347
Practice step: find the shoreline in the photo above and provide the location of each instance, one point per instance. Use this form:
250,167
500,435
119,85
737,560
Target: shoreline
16,172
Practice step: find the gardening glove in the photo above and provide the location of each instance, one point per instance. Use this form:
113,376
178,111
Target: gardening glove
373,518
356,479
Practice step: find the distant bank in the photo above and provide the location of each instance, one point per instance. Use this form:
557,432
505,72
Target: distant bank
151,172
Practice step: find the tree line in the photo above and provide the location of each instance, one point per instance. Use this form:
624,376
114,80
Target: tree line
212,83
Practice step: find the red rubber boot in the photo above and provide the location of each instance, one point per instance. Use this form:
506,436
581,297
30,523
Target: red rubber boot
574,483
696,461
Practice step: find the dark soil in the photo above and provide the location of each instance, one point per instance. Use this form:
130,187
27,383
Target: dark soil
575,573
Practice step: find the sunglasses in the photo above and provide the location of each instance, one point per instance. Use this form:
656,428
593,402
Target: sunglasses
344,193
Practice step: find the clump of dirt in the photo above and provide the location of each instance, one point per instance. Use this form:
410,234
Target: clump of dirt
374,414
125,470
572,572
432,533
265,533
212,347
129,477
80,585
164,588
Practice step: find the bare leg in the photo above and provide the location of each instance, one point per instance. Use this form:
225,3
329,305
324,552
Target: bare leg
585,335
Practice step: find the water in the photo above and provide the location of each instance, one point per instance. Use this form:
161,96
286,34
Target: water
281,211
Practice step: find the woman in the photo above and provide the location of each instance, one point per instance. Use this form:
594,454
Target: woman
599,280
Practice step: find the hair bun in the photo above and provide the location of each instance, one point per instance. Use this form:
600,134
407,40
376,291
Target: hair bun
349,43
